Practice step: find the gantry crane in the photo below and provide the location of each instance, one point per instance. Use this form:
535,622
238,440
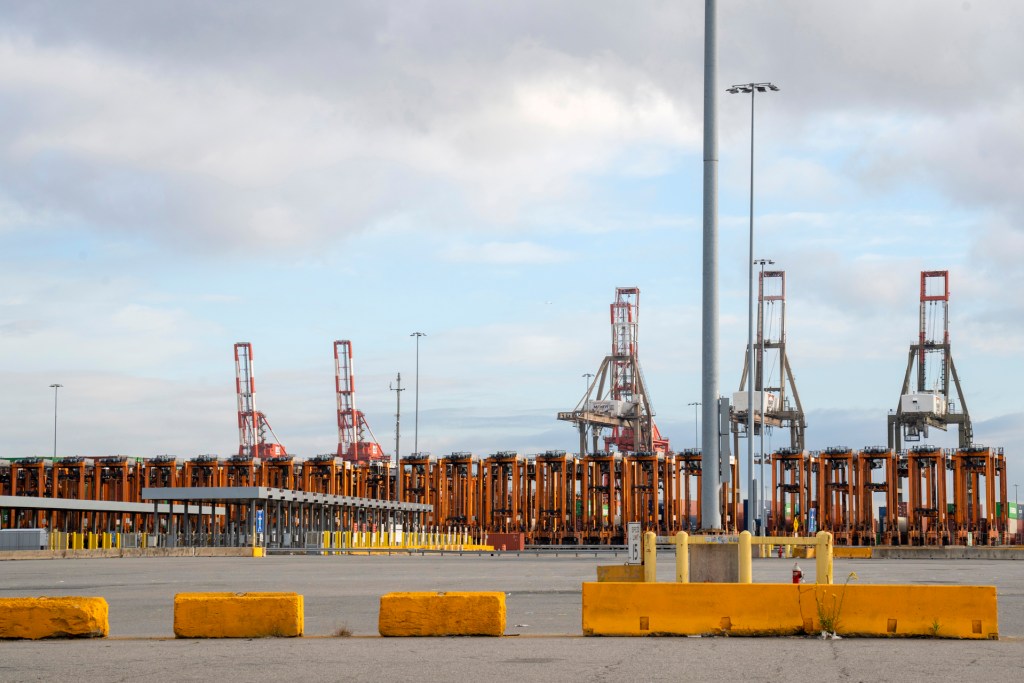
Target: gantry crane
617,397
930,406
352,426
770,389
252,424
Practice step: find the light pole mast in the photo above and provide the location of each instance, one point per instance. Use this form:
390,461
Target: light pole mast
711,476
55,387
398,432
416,431
751,88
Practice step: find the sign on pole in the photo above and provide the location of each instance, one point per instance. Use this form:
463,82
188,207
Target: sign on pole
259,521
633,539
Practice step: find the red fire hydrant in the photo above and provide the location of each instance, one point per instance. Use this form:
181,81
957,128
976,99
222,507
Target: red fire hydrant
798,575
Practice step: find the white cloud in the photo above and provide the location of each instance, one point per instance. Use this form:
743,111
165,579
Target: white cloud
505,253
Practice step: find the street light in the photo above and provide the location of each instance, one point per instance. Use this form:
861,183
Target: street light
760,371
696,423
586,384
416,431
752,89
55,387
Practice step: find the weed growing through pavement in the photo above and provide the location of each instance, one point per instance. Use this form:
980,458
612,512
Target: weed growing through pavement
828,615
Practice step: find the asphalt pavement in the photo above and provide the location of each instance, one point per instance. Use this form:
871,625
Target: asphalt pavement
543,640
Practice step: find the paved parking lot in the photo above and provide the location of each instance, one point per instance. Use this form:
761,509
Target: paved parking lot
543,600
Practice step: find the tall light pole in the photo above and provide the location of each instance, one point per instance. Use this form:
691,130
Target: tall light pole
711,479
55,387
752,89
398,433
760,376
416,432
586,385
696,422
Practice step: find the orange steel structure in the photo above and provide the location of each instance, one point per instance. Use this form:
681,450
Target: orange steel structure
203,470
979,489
926,501
278,472
836,494
320,474
161,471
689,469
240,470
500,504
601,494
71,478
791,474
554,502
948,497
872,462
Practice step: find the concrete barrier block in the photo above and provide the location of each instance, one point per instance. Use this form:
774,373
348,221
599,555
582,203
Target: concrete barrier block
238,615
620,572
639,609
68,617
714,562
851,553
442,614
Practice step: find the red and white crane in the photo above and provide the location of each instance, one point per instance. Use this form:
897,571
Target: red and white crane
617,398
252,424
352,426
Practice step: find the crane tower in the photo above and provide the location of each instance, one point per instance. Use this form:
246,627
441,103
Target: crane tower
774,388
252,424
352,425
927,405
617,397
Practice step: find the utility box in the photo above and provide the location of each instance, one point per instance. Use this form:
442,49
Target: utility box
924,402
24,539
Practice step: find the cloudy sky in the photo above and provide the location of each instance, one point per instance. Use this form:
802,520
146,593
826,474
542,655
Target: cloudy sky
179,176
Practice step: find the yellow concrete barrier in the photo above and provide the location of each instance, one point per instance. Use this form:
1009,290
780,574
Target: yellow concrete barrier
238,615
70,617
442,614
640,609
620,572
848,553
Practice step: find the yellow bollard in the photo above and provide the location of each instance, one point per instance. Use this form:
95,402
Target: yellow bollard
746,558
650,557
823,558
682,557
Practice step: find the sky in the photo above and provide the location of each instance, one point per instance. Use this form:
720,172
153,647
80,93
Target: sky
179,176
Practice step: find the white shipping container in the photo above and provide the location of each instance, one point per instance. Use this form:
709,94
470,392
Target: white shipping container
739,401
923,402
